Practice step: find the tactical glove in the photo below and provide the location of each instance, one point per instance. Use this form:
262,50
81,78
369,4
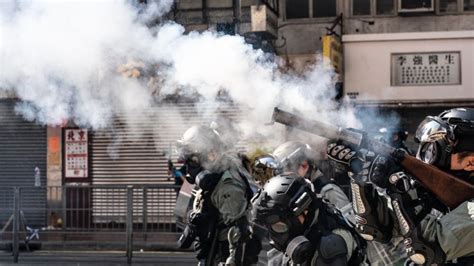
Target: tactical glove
375,168
341,155
373,220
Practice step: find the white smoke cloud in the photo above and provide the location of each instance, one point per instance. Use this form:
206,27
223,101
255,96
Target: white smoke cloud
61,58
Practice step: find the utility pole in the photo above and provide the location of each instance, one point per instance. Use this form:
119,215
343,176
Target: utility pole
237,4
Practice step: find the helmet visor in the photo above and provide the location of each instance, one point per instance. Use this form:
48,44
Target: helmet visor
429,126
267,162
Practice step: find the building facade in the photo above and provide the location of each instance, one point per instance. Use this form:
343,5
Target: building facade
412,58
407,58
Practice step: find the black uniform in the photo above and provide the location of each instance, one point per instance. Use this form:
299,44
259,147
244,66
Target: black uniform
429,237
302,228
219,220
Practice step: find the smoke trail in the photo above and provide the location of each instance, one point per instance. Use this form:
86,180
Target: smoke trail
73,61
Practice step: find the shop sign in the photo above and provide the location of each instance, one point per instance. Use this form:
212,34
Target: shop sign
76,153
332,52
417,69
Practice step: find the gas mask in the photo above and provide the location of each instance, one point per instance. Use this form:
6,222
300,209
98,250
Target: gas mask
440,140
193,167
285,227
287,207
436,139
299,249
282,230
288,236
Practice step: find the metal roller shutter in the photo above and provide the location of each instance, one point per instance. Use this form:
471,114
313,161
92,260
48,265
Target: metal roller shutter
22,149
134,153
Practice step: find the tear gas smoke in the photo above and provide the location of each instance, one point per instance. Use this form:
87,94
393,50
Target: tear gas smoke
62,58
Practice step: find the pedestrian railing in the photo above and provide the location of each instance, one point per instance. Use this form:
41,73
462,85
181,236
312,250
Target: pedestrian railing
97,214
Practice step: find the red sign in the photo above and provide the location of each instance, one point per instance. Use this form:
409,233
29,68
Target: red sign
76,153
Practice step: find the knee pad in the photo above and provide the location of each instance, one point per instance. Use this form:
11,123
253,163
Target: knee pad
423,254
332,251
369,213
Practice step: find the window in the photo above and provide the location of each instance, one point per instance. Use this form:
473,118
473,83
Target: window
414,4
456,6
324,8
468,5
360,7
373,7
385,7
297,9
310,8
448,6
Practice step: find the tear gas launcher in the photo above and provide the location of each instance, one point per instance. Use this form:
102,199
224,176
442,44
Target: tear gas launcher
449,189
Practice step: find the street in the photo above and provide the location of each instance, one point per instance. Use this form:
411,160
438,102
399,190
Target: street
98,258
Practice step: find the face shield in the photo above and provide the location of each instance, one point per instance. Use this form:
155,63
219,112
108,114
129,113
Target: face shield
266,167
291,155
445,143
433,126
435,137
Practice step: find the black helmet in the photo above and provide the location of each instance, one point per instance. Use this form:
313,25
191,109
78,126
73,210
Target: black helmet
197,142
466,114
290,154
441,136
280,203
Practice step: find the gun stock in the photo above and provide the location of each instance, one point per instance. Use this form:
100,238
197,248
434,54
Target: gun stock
449,189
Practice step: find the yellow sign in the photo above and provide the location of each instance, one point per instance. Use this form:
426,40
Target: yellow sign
332,52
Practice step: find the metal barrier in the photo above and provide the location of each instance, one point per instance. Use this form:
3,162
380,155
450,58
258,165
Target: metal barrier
94,213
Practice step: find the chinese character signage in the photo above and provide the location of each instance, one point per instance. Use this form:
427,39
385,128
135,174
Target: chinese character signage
76,153
416,69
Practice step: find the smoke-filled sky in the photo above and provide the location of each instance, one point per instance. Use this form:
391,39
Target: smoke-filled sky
62,59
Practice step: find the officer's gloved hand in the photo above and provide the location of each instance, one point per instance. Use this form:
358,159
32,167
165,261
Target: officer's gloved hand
341,156
371,212
374,168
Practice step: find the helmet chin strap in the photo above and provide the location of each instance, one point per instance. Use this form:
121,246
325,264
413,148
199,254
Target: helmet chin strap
310,171
315,218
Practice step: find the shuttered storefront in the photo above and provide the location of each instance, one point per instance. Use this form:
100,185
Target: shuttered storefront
22,149
135,152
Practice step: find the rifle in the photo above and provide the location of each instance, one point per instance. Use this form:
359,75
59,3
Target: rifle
447,188
212,250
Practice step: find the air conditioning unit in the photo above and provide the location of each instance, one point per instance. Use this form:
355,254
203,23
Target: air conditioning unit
415,6
264,21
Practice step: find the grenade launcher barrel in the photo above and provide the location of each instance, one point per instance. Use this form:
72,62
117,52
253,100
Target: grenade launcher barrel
449,189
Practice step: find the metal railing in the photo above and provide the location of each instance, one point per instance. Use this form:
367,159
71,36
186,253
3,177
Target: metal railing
94,213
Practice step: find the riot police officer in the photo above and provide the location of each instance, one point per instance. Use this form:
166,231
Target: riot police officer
300,158
446,141
302,227
219,219
395,137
